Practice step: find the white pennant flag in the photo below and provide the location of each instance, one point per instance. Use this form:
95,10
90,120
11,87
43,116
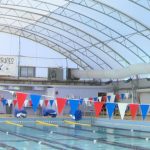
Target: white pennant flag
9,102
41,102
112,99
26,102
127,95
100,98
122,108
86,100
12,92
55,103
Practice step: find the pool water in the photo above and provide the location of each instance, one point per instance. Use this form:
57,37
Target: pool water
70,137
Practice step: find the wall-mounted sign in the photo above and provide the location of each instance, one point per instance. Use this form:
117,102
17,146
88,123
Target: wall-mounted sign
8,65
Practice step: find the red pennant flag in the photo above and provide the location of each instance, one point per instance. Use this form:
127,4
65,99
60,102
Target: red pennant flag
133,109
30,103
98,107
117,96
46,102
104,98
15,102
21,97
61,102
90,99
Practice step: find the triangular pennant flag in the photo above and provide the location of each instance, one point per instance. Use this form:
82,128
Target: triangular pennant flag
67,102
61,102
4,101
9,102
81,101
126,95
46,102
122,96
122,108
100,98
74,106
117,97
108,98
51,102
104,98
30,103
95,99
15,102
90,99
21,97
110,108
98,107
86,100
35,101
56,102
12,92
26,103
112,98
133,109
144,110
41,102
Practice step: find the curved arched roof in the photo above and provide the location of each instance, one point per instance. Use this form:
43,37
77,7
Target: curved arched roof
95,34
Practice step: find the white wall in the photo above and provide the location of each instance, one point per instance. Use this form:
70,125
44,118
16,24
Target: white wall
145,98
77,91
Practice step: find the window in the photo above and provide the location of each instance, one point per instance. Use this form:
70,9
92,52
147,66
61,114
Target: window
27,71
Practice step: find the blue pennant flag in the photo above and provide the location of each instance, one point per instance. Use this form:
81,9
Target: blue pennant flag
4,101
35,101
67,102
110,108
122,96
109,98
51,102
74,106
81,101
144,110
95,99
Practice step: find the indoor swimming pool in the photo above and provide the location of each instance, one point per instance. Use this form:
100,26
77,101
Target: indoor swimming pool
70,137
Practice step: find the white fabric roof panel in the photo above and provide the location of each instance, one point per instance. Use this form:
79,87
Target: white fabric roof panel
94,34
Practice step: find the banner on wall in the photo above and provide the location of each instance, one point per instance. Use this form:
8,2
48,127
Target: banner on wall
8,65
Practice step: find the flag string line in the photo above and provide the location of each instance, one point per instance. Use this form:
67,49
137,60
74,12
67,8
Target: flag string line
54,98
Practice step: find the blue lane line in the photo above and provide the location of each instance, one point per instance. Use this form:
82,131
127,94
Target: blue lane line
121,129
29,138
7,147
101,132
43,141
101,140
